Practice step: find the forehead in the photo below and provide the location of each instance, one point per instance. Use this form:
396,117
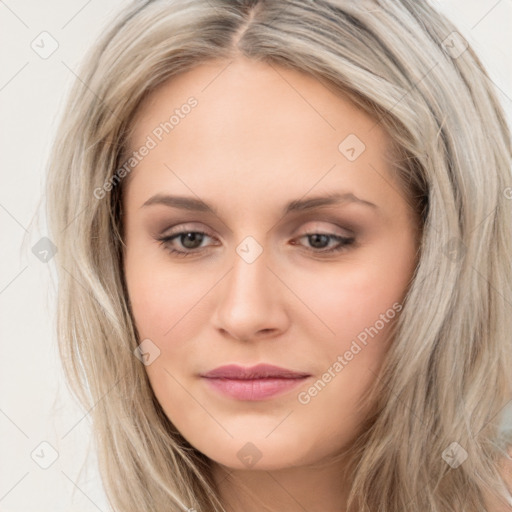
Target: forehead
258,97
255,127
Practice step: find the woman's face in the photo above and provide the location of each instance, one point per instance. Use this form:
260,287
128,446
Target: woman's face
260,275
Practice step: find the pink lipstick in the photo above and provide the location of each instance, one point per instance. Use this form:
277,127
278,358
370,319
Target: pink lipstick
255,382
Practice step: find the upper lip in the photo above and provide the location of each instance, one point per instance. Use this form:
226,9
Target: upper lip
260,371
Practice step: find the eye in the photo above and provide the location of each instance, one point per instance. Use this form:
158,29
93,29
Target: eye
320,240
189,240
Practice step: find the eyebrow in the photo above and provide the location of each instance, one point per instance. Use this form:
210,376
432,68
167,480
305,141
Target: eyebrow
298,205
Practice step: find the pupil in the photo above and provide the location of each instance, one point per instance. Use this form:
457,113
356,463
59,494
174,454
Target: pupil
191,239
318,237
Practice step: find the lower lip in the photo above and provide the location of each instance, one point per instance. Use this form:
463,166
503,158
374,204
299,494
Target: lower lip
254,389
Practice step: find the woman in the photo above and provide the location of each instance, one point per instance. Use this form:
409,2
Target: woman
293,232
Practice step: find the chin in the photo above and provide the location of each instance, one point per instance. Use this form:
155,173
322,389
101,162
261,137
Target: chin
254,451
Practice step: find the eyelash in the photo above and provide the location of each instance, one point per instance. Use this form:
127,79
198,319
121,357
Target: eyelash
166,240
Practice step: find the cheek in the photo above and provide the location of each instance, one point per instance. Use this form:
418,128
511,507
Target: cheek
356,306
347,302
161,297
356,310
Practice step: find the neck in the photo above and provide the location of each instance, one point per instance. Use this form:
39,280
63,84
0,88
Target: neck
319,488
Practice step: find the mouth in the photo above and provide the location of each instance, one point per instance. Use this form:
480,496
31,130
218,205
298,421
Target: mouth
254,383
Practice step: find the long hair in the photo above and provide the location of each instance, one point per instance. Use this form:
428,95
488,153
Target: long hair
433,441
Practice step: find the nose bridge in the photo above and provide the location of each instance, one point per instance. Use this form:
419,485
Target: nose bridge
247,282
247,302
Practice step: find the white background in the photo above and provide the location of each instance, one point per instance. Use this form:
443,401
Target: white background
35,404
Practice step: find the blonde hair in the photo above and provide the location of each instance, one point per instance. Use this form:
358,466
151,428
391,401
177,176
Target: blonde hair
447,375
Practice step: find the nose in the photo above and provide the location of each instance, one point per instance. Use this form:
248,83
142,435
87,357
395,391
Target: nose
251,301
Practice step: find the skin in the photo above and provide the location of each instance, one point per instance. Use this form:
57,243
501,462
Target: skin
259,137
